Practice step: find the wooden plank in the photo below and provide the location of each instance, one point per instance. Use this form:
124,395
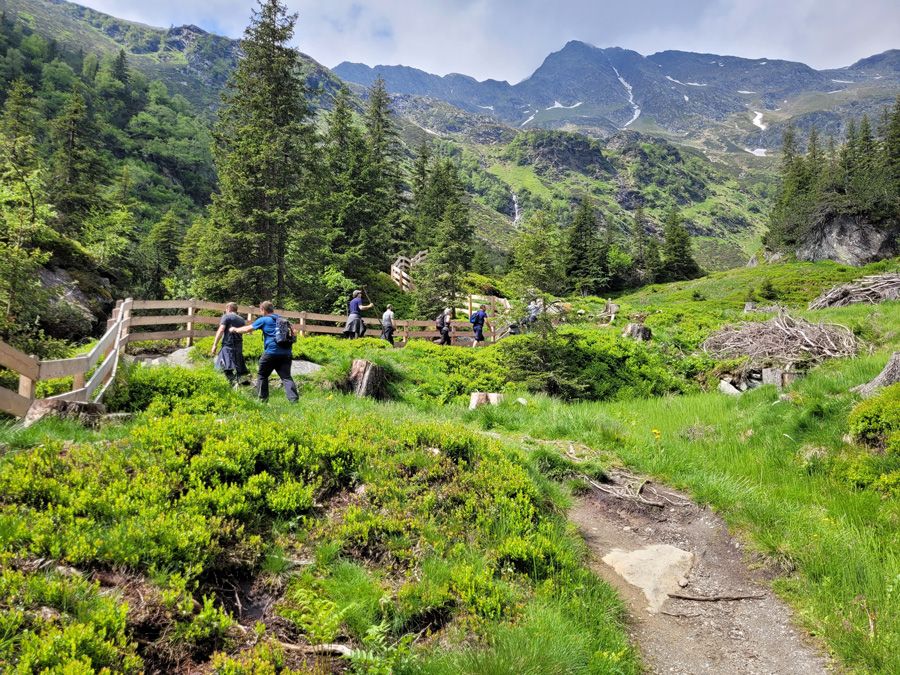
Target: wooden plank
101,374
51,370
13,403
325,330
156,335
160,304
169,320
104,345
75,395
312,316
12,358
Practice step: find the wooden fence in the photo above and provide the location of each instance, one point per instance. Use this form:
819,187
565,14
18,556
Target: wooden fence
155,320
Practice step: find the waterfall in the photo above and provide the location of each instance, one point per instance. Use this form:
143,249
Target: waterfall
517,215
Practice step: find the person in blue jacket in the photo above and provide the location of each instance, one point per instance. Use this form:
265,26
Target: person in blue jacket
478,321
274,358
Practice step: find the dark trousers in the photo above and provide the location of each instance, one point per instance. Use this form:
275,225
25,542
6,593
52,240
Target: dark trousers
479,332
388,334
280,365
445,337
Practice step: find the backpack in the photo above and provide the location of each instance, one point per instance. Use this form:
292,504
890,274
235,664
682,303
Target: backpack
284,332
440,322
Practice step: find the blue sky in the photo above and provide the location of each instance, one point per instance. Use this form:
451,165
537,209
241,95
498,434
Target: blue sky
507,39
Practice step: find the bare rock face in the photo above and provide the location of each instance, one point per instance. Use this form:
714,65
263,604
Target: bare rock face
88,414
368,379
851,241
637,332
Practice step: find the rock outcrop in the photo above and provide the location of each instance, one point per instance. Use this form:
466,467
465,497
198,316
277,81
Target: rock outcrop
851,241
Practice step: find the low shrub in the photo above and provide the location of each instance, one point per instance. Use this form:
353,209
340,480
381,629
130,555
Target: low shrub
876,422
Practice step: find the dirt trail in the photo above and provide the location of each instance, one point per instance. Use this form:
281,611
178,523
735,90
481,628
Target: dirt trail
685,549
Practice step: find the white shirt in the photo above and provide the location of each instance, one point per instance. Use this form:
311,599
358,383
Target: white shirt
387,319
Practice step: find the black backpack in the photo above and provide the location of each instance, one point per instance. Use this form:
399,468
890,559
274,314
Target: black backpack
441,321
284,332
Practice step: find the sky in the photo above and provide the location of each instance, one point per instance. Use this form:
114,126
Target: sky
508,39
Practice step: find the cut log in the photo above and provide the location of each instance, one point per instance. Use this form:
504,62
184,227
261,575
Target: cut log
890,375
480,398
637,332
88,414
368,379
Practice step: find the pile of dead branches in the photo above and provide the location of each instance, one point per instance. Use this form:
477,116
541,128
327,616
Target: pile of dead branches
782,341
872,289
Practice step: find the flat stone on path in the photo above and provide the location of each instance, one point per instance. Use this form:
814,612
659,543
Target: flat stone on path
657,570
303,368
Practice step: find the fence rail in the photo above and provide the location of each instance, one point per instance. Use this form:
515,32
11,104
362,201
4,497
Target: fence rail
135,321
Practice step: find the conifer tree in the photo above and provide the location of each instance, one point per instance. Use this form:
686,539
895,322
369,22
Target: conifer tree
380,238
678,260
264,154
538,255
76,170
439,280
585,265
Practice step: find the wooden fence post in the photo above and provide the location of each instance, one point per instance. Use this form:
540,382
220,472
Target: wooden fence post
77,381
26,386
303,324
124,317
190,324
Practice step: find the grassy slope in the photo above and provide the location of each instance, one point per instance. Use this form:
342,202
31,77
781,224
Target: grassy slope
779,471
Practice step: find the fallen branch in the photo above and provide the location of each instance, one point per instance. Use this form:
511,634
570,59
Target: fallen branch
715,598
680,616
890,375
330,648
871,289
782,340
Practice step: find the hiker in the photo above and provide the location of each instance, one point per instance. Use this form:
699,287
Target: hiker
387,325
445,326
356,327
278,338
231,358
478,321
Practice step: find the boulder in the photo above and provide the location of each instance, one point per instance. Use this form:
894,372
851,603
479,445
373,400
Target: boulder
304,368
88,414
368,379
480,398
637,332
727,388
850,240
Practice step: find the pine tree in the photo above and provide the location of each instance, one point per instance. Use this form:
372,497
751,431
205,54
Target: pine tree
538,255
264,154
345,204
439,280
678,261
380,239
161,250
585,264
891,152
75,167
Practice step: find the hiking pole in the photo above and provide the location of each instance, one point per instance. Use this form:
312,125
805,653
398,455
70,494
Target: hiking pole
366,293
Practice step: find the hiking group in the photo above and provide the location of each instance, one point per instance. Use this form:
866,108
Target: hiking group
279,338
277,356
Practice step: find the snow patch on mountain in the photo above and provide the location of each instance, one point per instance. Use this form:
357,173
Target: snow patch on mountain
758,120
527,121
689,84
686,98
557,104
758,152
744,91
843,81
630,92
486,107
836,91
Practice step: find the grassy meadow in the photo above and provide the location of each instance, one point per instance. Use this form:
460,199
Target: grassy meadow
428,538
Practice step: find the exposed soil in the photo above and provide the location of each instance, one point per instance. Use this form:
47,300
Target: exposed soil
753,635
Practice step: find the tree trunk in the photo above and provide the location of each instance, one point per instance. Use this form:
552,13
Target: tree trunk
368,379
890,375
637,332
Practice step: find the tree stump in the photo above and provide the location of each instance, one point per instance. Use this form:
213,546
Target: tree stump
480,398
637,332
368,379
890,375
88,414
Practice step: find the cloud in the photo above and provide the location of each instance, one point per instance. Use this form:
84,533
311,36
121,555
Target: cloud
508,39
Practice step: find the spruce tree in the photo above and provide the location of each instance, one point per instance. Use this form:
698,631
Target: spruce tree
264,154
381,239
76,169
678,260
440,279
538,255
584,262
